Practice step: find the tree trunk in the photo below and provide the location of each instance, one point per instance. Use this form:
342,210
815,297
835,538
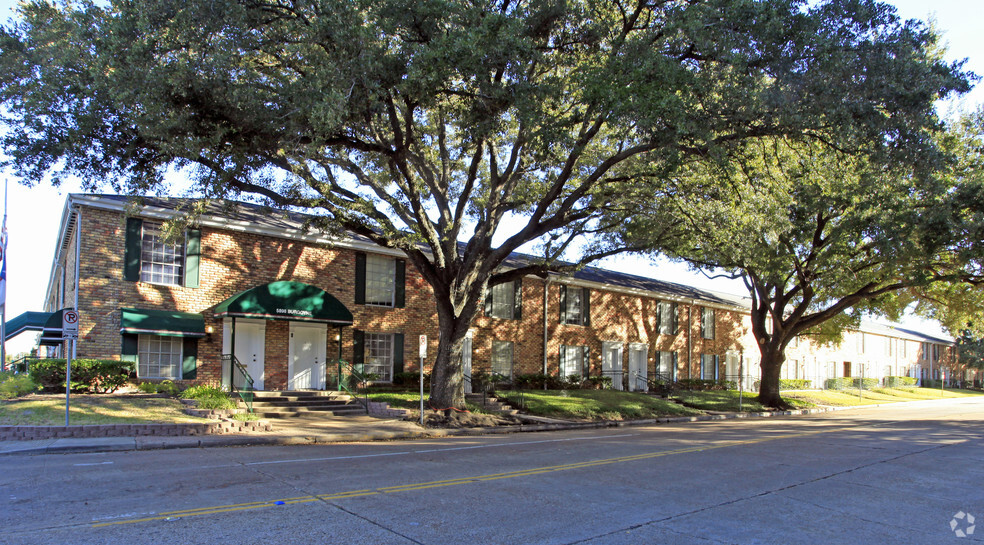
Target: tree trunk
772,360
447,385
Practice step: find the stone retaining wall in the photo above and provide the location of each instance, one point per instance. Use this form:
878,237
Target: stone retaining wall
383,409
28,433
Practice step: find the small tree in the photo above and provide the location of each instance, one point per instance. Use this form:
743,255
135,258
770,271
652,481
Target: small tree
424,125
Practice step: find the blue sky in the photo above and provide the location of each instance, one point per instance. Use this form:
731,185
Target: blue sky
33,214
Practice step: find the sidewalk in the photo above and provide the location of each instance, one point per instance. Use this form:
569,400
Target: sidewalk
302,431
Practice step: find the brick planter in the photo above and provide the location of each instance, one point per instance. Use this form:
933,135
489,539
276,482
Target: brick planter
29,433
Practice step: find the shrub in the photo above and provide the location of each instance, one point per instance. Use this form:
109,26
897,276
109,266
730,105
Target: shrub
166,387
704,384
849,383
202,391
597,383
900,382
788,384
88,375
219,403
409,379
12,385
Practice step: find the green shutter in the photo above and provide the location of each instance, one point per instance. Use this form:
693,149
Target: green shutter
586,358
360,279
128,350
488,301
562,361
189,363
674,318
193,253
518,299
358,347
400,297
563,304
131,255
397,353
717,366
586,307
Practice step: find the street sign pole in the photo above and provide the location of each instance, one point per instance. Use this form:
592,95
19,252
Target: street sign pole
70,332
423,354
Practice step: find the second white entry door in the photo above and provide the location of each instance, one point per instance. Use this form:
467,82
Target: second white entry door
308,353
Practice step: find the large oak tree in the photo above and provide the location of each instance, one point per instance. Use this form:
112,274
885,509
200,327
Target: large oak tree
424,123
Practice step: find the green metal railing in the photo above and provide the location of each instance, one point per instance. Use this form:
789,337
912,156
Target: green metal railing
241,382
21,365
348,378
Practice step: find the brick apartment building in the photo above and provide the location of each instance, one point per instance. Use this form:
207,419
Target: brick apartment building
286,302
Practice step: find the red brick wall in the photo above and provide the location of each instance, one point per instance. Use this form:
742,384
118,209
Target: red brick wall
235,261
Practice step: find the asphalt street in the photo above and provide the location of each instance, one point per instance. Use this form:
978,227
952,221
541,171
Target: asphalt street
909,473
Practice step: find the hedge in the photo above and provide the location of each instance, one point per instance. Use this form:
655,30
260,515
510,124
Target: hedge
88,375
895,382
849,383
789,384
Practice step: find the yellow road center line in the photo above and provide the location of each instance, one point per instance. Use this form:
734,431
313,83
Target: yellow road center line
450,482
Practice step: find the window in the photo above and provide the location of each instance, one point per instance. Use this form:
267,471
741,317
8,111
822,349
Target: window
666,366
936,352
573,361
379,355
666,315
159,357
505,301
575,306
379,281
160,262
709,367
707,323
502,358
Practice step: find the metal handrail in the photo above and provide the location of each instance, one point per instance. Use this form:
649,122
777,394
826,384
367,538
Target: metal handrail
246,393
349,383
21,365
658,384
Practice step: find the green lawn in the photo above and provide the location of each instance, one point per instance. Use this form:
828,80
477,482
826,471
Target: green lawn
408,400
878,395
727,401
49,410
593,404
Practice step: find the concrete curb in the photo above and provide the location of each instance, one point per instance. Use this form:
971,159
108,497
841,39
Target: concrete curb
118,444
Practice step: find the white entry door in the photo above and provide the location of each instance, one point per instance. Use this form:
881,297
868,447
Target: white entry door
637,367
466,361
250,344
308,353
611,363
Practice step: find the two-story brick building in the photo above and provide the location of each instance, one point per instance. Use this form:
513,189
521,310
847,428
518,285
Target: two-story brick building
286,301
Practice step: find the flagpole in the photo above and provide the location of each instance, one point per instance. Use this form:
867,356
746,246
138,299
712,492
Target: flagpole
3,288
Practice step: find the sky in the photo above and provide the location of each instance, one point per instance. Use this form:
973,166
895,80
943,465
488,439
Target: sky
34,213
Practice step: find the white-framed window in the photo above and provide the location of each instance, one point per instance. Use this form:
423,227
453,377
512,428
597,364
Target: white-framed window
159,357
575,305
666,314
502,358
160,262
379,355
573,360
707,323
505,300
380,280
708,367
666,366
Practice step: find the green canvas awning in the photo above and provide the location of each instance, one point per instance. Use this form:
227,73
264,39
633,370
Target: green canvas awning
167,323
286,301
28,321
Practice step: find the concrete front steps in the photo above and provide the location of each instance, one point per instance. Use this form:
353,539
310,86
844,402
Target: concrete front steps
304,404
490,404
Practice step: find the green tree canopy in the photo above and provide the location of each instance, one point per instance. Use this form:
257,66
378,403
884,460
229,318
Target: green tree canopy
423,123
820,237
